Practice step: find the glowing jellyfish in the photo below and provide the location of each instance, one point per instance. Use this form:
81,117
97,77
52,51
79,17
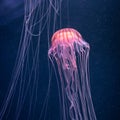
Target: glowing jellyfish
71,53
24,98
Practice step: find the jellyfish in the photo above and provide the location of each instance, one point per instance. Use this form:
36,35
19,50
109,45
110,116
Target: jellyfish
24,98
69,55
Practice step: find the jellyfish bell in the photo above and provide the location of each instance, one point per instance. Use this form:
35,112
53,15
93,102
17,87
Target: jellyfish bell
70,53
66,36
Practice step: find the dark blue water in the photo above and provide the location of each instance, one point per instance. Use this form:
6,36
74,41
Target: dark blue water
99,22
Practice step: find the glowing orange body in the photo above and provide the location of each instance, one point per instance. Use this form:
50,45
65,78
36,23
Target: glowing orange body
66,36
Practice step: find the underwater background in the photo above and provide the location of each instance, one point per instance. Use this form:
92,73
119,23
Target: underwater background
98,21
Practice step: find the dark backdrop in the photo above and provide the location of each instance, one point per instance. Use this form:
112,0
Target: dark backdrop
98,21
